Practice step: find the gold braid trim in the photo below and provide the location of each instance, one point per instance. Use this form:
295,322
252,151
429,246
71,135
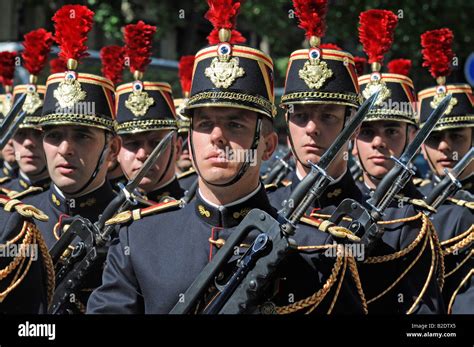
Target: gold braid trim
439,257
453,297
460,245
401,276
22,194
331,228
358,283
389,257
24,210
315,299
137,214
456,238
338,289
468,204
31,235
428,279
471,253
4,179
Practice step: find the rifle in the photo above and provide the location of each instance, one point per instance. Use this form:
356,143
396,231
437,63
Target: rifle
365,219
6,127
90,252
279,169
450,184
254,269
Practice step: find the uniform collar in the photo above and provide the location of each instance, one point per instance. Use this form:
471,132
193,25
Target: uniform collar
25,182
409,191
9,170
341,188
170,189
230,215
89,205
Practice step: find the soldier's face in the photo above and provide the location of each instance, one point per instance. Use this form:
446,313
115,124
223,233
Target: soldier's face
313,129
184,163
8,152
136,148
376,142
72,153
221,139
443,149
29,151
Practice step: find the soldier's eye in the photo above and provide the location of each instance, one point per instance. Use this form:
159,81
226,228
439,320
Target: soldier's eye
299,118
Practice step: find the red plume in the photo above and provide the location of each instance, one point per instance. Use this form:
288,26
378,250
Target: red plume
330,46
223,14
138,40
7,67
37,45
311,15
112,58
185,72
72,24
437,51
57,65
359,65
376,30
399,66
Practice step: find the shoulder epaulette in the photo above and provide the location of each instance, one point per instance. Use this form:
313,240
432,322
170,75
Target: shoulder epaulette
24,210
139,213
270,187
29,191
420,182
5,179
468,204
416,202
186,173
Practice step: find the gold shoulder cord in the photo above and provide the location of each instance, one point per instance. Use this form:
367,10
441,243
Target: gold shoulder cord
455,293
29,235
313,301
426,233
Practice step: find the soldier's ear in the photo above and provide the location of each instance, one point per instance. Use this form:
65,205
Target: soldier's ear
271,143
178,146
115,143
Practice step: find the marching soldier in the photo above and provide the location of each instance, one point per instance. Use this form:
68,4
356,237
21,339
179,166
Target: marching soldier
385,132
79,140
9,168
231,109
145,115
453,136
184,166
449,142
27,141
317,106
27,273
113,63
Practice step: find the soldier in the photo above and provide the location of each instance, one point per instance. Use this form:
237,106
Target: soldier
9,165
386,132
27,141
230,113
184,166
24,260
453,136
113,63
145,114
79,140
450,141
317,107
